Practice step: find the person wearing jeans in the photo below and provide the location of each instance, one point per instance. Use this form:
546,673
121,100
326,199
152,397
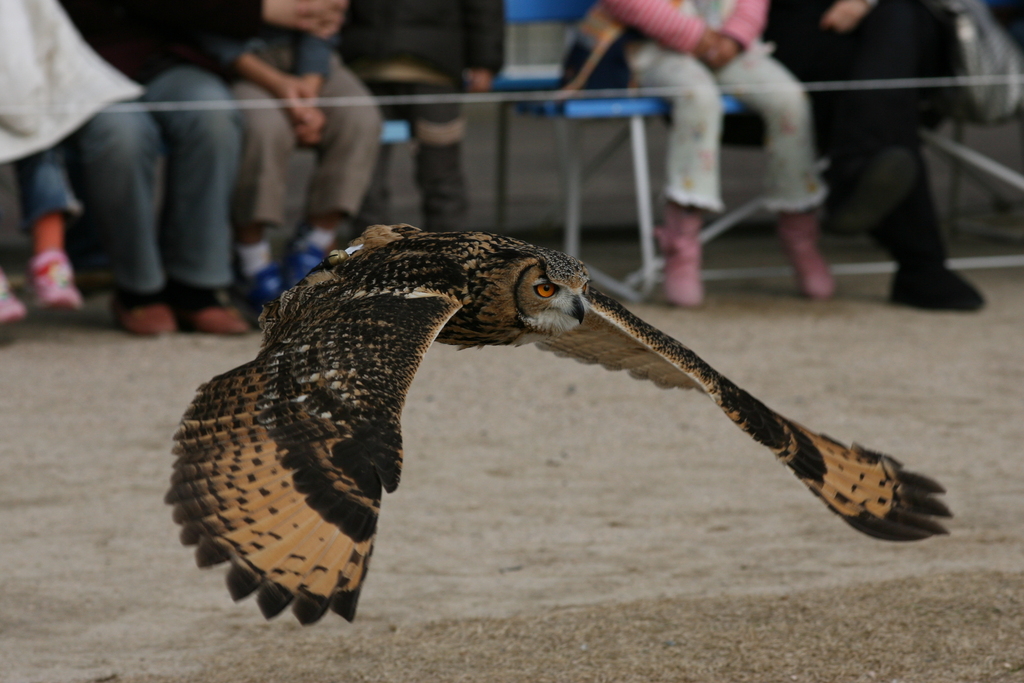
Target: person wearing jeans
166,269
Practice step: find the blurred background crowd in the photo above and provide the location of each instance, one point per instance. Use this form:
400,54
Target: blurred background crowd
155,139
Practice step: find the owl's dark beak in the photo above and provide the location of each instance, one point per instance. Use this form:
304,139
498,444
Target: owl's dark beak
579,309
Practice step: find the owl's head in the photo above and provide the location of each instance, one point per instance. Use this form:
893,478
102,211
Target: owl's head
550,294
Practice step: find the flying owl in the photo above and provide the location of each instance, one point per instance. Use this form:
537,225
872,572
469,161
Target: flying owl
281,462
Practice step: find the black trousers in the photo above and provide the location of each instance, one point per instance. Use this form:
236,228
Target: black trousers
897,39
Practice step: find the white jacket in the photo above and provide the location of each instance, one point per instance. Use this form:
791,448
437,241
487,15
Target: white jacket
51,81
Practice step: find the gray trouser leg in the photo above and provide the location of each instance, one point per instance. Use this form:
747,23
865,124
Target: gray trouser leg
439,175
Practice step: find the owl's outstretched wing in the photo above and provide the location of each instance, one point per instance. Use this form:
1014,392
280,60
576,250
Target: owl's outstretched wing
869,490
281,462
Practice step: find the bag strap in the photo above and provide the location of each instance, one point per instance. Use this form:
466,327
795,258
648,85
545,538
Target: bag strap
604,30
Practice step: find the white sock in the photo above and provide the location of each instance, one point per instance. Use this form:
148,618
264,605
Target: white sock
252,258
321,238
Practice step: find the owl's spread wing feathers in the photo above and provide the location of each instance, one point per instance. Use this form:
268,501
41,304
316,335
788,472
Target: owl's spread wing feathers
281,462
868,490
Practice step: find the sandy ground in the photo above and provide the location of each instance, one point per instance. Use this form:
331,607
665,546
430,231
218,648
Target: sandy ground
555,522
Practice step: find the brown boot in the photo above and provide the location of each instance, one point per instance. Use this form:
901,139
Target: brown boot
679,243
799,235
145,320
212,320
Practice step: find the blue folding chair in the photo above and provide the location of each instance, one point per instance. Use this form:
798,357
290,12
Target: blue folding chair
527,78
395,131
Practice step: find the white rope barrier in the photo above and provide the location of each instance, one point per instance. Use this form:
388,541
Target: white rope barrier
516,96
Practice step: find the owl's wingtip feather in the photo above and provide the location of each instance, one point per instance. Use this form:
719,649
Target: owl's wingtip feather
903,526
272,598
308,608
242,581
210,552
344,603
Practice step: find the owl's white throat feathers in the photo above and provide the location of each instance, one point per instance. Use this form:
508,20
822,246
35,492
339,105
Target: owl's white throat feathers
562,315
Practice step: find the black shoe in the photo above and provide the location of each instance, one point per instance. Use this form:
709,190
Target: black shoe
883,184
935,289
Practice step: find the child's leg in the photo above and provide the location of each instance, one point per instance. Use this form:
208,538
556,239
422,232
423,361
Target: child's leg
793,185
267,145
439,129
259,196
792,182
693,178
799,233
692,163
46,198
347,153
48,233
323,229
679,241
252,249
53,280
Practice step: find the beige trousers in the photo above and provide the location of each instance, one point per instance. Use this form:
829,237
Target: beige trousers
346,154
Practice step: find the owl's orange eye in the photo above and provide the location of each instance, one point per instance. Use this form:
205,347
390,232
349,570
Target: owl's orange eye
545,290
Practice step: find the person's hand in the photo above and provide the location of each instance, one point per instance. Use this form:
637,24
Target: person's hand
479,80
307,120
716,50
844,15
726,51
310,85
320,17
707,42
308,124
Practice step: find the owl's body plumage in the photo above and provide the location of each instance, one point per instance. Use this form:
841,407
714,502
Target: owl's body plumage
282,461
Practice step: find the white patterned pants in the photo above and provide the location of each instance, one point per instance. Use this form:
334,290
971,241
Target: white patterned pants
791,181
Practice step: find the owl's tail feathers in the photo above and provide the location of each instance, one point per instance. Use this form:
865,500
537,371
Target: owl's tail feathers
869,490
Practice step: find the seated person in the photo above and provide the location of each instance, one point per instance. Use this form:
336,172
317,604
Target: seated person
878,178
291,66
424,47
169,271
698,46
66,70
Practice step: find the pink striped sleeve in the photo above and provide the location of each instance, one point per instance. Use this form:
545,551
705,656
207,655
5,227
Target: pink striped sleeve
746,21
660,21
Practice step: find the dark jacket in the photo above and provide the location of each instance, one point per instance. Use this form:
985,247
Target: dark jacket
142,37
450,35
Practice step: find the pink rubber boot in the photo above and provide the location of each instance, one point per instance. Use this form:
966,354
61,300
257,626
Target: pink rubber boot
799,234
680,246
11,309
53,280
